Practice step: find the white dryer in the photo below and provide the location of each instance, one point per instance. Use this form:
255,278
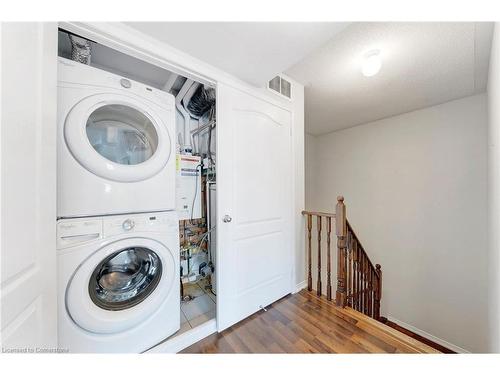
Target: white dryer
116,146
118,282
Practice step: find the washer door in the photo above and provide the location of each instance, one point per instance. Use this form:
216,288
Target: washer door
117,137
120,285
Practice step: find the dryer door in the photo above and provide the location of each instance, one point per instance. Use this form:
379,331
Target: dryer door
117,137
121,285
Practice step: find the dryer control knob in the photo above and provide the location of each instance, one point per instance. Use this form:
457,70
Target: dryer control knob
128,224
125,83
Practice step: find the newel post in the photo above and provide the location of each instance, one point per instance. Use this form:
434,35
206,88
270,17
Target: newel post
341,232
309,253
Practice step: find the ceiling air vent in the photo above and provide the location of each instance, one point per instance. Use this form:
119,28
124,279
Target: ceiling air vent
281,86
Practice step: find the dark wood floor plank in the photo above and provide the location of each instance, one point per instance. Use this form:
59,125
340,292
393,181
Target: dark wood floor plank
305,323
236,343
305,347
250,339
273,328
317,318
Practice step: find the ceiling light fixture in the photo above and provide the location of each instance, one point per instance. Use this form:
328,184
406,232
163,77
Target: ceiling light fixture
371,63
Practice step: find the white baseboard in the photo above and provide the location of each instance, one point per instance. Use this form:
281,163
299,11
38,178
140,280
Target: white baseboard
188,338
300,286
437,340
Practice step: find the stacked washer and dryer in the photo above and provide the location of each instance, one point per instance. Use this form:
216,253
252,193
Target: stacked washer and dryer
118,233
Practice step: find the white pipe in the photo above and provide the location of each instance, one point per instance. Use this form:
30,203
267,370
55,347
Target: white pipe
185,102
185,114
189,94
170,82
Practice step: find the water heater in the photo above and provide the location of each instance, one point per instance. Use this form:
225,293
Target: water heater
188,187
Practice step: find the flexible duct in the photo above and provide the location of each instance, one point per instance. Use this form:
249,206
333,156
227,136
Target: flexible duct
80,49
178,104
185,102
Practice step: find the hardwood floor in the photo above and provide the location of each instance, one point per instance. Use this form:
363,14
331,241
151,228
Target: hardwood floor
305,323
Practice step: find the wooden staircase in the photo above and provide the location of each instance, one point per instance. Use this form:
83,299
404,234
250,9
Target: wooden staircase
359,282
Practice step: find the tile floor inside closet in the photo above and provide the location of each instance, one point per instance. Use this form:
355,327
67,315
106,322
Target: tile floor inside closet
198,310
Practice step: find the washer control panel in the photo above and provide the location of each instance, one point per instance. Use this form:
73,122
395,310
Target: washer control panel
78,231
128,224
74,232
151,222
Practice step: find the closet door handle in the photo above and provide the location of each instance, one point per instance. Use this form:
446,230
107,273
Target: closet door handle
227,219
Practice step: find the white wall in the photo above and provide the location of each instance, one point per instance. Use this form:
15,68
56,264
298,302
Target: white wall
311,205
415,188
494,189
310,171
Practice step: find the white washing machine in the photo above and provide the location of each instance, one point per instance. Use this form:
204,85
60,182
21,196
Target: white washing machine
118,282
116,146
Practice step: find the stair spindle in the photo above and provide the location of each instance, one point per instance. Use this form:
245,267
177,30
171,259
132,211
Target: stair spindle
370,290
318,287
360,263
328,259
367,282
363,265
354,259
309,253
349,268
378,296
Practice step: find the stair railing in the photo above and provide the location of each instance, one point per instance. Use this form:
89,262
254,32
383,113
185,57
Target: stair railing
359,282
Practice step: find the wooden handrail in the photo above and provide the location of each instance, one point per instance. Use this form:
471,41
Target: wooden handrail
322,214
359,282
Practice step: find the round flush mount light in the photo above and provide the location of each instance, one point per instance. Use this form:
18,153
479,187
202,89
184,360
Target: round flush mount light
372,63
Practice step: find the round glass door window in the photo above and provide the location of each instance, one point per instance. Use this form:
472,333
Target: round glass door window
122,134
125,278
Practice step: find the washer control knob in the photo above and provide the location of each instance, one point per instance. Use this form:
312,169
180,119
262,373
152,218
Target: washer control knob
125,83
128,224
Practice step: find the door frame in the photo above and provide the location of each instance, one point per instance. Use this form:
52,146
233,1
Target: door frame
131,42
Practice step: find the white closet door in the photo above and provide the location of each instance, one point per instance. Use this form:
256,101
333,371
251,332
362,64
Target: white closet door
28,185
254,264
